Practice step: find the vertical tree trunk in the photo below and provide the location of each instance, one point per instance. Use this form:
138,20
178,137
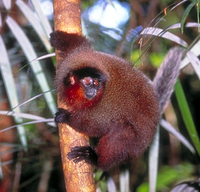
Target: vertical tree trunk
79,176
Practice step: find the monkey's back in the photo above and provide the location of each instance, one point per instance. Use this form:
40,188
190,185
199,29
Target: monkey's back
133,100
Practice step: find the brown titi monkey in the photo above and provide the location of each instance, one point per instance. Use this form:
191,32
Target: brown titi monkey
106,98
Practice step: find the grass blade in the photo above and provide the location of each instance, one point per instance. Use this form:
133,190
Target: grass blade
185,14
187,117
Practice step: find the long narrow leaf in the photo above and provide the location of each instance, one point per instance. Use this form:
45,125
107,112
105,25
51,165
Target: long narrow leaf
153,31
168,35
9,83
185,14
195,51
188,25
187,117
111,185
29,123
43,19
28,13
124,179
7,4
153,161
31,55
26,116
195,62
177,134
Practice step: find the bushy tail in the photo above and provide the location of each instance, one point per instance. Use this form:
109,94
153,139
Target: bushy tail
167,75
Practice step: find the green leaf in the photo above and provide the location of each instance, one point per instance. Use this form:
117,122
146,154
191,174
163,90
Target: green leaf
187,117
185,14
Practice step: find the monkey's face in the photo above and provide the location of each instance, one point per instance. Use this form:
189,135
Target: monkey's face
83,88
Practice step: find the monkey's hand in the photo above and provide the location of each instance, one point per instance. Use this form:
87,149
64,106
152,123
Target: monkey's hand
86,153
61,116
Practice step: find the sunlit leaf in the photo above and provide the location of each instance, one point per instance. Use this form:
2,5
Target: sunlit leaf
11,91
195,62
29,123
7,4
178,25
31,55
153,31
29,14
153,161
43,19
124,179
111,185
177,134
194,50
25,116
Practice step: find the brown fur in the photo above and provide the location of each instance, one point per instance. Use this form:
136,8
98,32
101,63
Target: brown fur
126,112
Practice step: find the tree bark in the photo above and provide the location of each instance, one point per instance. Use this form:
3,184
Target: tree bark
78,177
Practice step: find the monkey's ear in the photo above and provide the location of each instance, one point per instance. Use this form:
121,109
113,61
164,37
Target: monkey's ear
67,42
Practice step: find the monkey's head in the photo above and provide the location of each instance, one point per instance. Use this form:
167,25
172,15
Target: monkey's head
83,88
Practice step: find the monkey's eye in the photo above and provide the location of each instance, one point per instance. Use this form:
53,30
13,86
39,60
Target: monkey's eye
96,82
89,81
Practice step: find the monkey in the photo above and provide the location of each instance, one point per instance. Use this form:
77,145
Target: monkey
106,98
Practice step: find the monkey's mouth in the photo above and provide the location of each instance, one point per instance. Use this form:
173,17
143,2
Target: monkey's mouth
90,93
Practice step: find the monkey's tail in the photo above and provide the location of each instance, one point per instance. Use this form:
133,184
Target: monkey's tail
167,75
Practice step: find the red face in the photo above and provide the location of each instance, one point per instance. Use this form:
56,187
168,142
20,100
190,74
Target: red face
82,91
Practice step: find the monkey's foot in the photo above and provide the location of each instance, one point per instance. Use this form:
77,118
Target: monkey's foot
61,116
86,153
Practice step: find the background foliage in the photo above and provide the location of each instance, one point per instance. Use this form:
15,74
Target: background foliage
29,148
